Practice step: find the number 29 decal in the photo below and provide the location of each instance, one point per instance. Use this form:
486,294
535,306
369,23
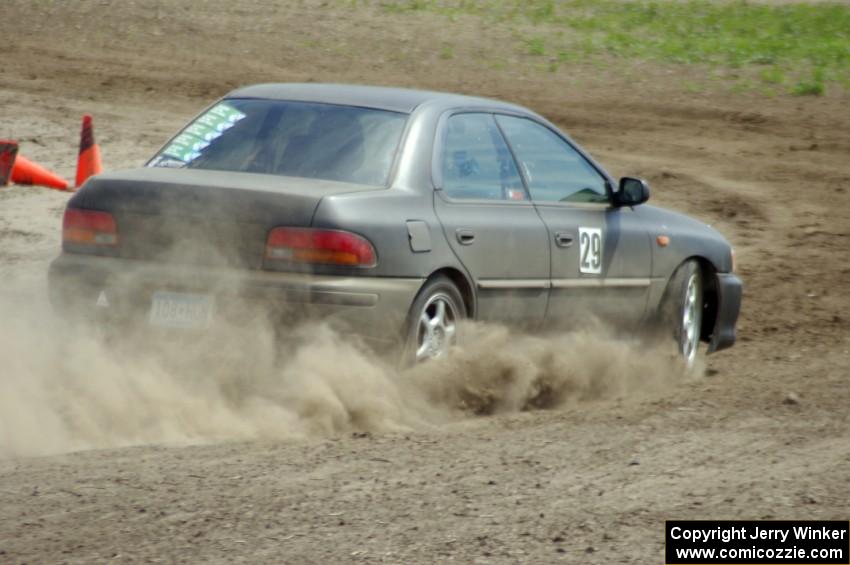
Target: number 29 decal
590,250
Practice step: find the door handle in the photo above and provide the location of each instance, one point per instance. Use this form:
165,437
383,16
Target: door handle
563,239
464,236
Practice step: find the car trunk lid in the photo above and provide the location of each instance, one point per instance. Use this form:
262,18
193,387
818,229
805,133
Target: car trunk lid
202,216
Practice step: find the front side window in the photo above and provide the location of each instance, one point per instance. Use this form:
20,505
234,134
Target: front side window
554,171
476,162
298,139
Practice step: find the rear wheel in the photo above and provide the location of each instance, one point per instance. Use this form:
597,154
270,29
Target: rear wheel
682,309
433,320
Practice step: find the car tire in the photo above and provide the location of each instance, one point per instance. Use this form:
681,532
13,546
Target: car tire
682,310
432,321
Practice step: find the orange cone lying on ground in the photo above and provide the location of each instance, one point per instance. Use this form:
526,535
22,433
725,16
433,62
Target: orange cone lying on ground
8,152
88,162
27,172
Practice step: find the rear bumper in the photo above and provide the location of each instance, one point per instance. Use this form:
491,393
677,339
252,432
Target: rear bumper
372,307
729,290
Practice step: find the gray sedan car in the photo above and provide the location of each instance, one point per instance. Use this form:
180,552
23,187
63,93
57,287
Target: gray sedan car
392,213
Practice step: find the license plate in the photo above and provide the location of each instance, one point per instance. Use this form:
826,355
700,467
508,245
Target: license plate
181,310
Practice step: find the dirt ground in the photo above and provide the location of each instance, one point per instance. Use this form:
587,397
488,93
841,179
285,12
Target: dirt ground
764,434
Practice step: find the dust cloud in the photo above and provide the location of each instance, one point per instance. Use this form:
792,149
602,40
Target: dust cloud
64,389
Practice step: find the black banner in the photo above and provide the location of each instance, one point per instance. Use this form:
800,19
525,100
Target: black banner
766,542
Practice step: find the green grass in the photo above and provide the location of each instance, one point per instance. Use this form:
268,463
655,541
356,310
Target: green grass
810,87
772,75
536,46
693,87
782,43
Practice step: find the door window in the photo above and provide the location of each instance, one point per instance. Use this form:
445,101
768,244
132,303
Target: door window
476,161
554,170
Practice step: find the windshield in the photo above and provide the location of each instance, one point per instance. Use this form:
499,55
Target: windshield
297,139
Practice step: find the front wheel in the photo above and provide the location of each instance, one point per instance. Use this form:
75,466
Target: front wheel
433,320
682,309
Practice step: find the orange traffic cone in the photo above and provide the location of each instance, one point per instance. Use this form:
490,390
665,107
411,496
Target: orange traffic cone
8,152
27,172
88,162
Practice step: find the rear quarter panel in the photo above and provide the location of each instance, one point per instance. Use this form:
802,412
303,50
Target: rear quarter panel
382,218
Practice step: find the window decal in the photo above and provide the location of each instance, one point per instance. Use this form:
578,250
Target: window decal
189,145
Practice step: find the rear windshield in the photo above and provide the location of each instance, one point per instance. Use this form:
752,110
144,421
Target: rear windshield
297,139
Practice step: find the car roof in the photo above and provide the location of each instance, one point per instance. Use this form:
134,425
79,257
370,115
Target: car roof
380,97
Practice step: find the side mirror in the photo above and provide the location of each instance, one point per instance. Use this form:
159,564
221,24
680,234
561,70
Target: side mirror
632,192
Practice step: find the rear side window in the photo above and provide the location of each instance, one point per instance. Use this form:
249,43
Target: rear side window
476,162
554,170
299,139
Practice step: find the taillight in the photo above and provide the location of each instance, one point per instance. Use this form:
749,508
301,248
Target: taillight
307,245
89,227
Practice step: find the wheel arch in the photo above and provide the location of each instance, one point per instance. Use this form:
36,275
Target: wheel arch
708,274
463,284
